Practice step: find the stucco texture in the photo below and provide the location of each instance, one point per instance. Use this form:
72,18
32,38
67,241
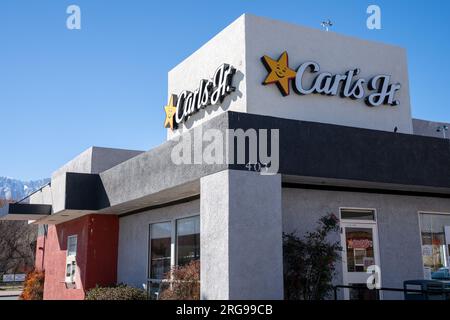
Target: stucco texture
397,220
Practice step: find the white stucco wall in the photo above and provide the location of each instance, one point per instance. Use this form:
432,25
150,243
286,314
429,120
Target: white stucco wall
241,236
397,220
241,249
246,40
132,260
226,47
43,196
335,53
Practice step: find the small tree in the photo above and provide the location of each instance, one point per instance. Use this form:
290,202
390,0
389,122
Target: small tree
17,245
309,263
183,283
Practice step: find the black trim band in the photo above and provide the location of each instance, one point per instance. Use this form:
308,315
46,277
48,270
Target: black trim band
290,185
158,206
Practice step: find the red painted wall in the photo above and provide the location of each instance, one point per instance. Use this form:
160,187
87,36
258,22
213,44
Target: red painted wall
39,259
97,243
103,250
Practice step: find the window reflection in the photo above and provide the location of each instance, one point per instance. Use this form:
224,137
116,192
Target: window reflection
160,240
435,235
188,240
348,214
360,255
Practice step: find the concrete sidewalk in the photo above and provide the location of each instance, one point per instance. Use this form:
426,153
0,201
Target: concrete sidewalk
10,295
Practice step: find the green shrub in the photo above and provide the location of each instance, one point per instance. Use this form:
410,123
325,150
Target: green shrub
119,292
309,262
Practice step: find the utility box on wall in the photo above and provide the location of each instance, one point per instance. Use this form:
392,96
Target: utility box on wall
71,263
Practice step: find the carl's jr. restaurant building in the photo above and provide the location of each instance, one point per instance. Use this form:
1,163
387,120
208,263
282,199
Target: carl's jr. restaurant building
333,113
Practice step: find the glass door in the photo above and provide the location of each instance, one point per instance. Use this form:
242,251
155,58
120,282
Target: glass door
360,251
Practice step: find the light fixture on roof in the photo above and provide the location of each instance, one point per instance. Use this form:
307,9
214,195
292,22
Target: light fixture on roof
442,129
327,24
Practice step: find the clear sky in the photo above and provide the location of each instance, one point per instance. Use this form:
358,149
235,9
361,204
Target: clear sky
62,91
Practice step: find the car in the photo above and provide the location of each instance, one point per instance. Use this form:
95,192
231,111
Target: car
441,274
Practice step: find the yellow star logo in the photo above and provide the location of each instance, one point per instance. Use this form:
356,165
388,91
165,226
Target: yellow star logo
279,72
170,110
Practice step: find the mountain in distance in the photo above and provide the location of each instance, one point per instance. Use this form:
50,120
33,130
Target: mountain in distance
13,189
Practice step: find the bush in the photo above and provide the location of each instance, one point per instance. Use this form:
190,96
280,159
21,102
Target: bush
184,283
33,288
119,292
309,263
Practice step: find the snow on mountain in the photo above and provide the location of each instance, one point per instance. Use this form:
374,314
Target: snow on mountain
13,189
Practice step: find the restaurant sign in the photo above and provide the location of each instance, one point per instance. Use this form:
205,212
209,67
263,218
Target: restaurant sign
209,92
347,85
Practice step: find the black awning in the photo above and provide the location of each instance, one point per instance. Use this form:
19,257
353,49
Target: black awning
24,211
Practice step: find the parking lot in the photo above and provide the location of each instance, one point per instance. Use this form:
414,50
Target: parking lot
10,294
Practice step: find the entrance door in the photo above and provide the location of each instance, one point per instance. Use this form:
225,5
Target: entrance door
359,241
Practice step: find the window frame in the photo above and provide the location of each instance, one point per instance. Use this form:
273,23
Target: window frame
73,236
149,247
176,236
374,210
71,265
173,241
420,230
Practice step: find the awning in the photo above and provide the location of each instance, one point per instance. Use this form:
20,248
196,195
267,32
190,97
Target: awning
24,211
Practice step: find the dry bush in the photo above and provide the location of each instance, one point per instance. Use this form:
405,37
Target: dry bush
119,292
33,288
184,283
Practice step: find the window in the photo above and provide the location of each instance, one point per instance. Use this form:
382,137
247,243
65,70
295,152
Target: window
356,214
72,245
435,234
160,243
359,245
183,235
71,264
188,240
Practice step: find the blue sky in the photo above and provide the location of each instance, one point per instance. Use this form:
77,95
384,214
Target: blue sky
62,91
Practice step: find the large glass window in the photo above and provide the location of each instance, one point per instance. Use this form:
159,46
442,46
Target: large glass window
435,233
188,240
72,245
160,253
